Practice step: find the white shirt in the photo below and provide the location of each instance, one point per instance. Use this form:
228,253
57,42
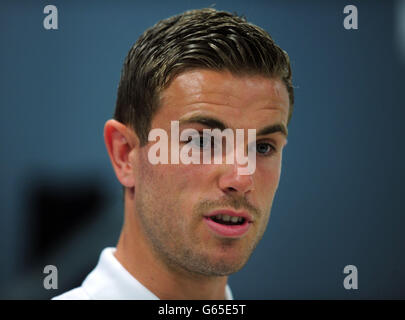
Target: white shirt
111,281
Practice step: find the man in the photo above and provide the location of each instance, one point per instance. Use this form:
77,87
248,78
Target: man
187,227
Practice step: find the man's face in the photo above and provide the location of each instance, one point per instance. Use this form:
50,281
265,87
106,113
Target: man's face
174,203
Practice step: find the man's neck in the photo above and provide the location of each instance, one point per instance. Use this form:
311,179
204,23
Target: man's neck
166,282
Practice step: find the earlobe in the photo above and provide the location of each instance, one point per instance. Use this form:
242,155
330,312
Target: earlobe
120,142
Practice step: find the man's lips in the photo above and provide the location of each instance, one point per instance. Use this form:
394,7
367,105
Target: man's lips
231,213
227,228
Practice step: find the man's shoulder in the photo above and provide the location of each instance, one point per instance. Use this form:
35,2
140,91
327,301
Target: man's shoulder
74,294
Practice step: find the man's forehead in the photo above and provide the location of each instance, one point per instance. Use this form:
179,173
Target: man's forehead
224,92
196,82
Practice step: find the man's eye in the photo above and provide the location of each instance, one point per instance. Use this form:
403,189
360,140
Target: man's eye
202,141
264,149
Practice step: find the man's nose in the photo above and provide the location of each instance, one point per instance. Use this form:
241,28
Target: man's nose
231,182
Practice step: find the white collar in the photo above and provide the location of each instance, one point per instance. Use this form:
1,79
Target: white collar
111,281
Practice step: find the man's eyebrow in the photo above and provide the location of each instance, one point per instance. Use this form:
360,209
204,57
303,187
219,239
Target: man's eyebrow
278,127
215,123
204,120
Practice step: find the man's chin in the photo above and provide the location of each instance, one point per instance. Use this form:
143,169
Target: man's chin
226,257
219,265
224,268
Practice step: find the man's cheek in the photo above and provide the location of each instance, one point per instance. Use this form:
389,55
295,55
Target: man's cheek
189,175
266,193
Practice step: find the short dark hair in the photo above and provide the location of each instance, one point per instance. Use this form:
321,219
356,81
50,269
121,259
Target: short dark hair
197,39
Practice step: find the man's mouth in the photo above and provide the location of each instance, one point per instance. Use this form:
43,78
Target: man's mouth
228,220
227,223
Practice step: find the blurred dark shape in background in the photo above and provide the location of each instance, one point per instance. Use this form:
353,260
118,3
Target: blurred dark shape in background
58,206
65,218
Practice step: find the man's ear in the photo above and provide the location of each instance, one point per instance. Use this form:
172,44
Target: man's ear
121,141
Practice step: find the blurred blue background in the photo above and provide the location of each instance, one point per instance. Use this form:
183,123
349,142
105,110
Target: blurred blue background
340,200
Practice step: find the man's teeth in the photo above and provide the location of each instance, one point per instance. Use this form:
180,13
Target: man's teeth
227,218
